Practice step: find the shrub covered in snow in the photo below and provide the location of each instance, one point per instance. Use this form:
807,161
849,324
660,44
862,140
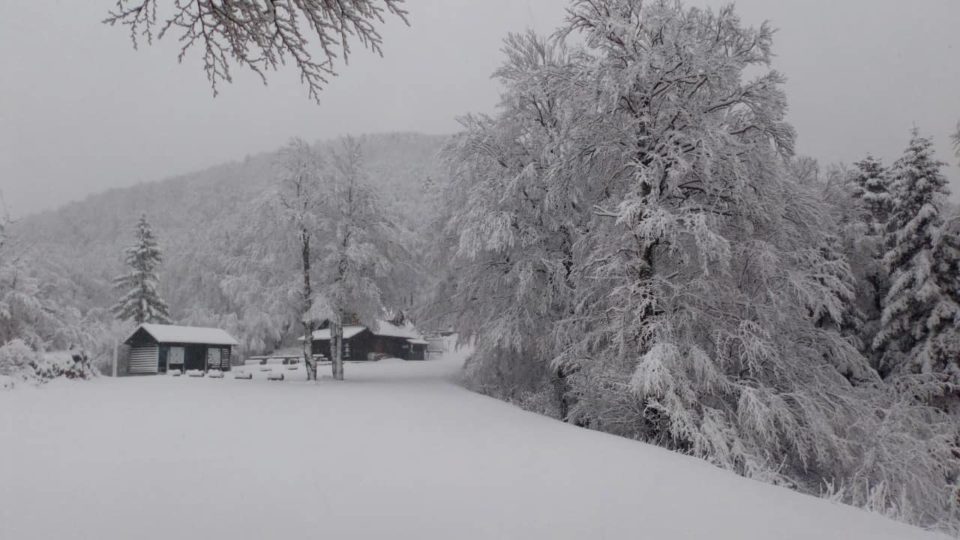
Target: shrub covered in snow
19,362
67,364
17,358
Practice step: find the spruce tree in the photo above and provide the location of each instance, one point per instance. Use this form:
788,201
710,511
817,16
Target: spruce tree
141,301
871,185
920,308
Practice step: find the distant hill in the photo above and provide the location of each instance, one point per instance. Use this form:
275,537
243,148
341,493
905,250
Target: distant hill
199,217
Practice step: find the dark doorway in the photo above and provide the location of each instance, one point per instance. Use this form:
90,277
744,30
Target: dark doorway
195,357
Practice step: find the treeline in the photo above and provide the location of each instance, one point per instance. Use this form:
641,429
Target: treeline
634,247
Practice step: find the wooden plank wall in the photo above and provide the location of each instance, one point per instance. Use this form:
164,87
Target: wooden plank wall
144,359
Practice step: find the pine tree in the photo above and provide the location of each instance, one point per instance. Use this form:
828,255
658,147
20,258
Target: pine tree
941,354
868,212
871,185
921,306
142,302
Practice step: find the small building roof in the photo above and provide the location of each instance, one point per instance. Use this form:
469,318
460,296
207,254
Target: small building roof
168,333
348,332
384,328
418,342
389,329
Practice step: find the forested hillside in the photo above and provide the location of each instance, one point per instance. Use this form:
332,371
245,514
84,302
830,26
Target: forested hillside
220,234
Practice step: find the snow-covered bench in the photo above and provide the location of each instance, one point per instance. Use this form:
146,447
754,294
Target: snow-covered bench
275,376
243,375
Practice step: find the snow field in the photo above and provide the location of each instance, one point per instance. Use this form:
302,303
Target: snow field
397,450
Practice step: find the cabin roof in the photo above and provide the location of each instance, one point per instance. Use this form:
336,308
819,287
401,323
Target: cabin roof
348,332
384,328
168,333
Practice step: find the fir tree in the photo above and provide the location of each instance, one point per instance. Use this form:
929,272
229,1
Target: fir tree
142,302
920,308
871,185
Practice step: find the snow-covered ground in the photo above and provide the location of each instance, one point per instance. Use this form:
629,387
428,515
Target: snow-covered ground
398,451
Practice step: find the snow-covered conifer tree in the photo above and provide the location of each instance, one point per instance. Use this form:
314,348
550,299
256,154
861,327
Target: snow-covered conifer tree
141,302
920,330
871,185
867,211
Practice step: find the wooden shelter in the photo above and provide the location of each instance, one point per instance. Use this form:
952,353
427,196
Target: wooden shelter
158,348
363,343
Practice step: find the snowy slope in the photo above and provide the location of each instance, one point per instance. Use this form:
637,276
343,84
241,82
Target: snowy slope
398,451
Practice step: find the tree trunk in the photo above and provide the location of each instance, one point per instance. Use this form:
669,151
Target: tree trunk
307,302
336,349
308,362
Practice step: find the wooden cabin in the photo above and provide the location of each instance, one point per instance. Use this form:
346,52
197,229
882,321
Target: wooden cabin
159,348
362,343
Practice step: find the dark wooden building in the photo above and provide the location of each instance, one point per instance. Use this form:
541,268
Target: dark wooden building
362,343
158,348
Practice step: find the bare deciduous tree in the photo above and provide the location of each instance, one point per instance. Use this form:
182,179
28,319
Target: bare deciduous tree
262,34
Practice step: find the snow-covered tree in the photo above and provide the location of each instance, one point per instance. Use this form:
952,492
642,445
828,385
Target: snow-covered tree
141,302
29,297
956,140
16,357
921,299
871,184
707,295
632,224
864,210
358,247
260,35
300,194
513,213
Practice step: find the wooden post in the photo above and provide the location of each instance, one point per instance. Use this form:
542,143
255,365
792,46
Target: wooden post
116,353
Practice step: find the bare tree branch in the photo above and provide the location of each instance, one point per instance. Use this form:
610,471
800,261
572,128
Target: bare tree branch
262,35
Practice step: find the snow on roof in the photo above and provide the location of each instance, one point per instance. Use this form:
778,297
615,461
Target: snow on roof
389,329
418,341
384,328
348,332
168,333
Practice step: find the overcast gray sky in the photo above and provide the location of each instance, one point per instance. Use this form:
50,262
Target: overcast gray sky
80,111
